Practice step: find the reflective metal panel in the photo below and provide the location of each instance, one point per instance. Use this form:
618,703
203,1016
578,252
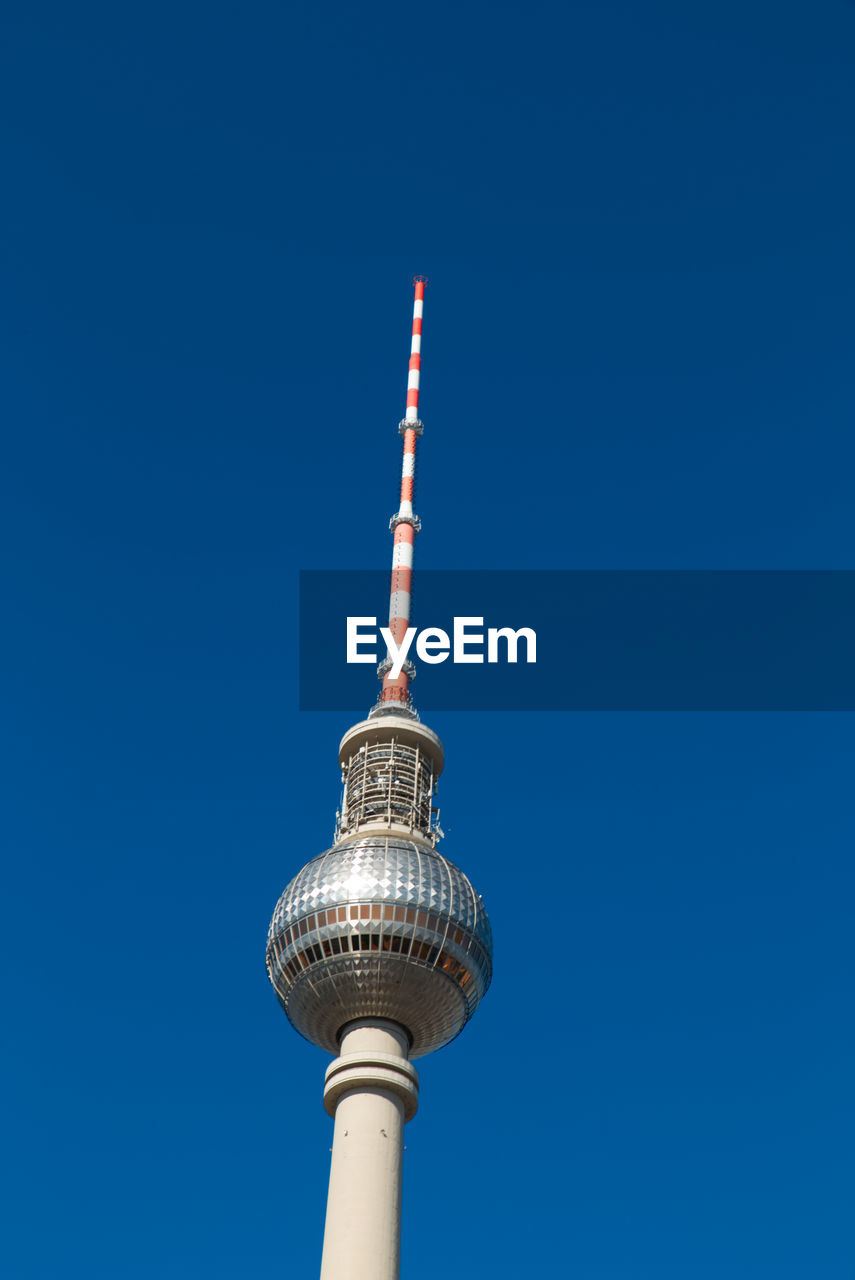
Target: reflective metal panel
380,927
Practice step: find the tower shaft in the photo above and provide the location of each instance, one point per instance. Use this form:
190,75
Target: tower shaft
372,1090
405,523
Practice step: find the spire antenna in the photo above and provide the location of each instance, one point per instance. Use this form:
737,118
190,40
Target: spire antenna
405,524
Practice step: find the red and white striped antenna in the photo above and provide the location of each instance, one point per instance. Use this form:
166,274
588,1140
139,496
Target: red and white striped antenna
405,524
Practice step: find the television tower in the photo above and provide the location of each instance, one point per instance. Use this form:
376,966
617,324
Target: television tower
380,949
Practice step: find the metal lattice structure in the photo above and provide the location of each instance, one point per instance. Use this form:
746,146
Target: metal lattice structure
390,782
390,764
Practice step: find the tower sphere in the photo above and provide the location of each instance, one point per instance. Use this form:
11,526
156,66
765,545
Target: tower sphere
380,926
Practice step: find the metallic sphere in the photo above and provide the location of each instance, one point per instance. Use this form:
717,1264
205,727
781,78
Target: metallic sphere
380,926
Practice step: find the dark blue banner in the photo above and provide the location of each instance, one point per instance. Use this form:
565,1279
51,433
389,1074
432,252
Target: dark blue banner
604,640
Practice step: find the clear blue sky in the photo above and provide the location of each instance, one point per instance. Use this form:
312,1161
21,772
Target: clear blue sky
637,221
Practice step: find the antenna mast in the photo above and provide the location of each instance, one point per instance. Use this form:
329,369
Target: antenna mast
404,523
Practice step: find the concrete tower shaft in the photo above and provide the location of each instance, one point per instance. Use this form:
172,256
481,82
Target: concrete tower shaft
371,1090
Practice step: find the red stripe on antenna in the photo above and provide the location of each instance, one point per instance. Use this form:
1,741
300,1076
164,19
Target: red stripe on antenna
404,522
